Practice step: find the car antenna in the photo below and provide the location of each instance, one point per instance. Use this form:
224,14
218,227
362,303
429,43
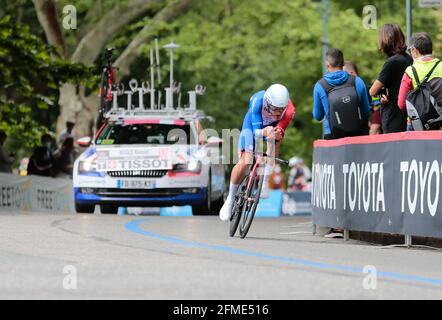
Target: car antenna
158,65
169,91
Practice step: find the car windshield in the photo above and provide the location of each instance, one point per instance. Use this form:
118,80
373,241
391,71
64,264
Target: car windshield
118,133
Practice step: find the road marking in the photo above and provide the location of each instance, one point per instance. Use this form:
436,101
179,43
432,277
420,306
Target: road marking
135,226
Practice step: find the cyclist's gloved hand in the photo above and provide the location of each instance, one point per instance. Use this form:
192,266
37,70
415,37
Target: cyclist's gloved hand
279,134
268,132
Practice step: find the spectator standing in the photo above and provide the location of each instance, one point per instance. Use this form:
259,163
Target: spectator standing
41,161
297,179
341,100
345,95
23,167
392,44
421,49
66,133
277,179
351,68
6,159
64,158
375,120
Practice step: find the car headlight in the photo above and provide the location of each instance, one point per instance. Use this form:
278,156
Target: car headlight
191,166
87,166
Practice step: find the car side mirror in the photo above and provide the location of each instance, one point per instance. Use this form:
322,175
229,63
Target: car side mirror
84,142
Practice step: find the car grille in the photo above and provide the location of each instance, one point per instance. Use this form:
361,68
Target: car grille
138,174
139,193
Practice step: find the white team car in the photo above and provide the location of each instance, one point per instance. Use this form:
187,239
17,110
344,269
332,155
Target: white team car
150,159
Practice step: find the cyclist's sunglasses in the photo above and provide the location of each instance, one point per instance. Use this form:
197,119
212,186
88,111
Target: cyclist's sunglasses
409,50
274,109
271,108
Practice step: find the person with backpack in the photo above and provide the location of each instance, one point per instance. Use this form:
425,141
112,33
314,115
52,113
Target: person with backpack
341,100
420,93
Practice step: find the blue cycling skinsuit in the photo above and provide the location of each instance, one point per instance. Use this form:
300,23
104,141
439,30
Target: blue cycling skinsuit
258,117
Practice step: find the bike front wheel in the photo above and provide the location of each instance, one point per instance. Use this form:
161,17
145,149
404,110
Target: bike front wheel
251,202
237,207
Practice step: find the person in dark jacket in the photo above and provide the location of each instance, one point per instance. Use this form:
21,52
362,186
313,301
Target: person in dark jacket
6,159
41,161
64,158
375,121
392,44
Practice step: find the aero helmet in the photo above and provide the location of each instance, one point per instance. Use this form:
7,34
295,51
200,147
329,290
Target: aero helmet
277,96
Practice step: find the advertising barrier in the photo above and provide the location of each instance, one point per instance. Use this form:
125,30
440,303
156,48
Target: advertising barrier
42,194
386,183
270,206
37,194
285,204
297,204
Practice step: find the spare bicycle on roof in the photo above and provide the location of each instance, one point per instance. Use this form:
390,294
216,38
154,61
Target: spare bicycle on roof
142,98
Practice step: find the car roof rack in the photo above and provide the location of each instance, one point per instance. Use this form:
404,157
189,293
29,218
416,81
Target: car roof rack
155,108
179,113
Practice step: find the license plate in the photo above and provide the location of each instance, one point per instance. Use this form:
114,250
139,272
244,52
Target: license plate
136,184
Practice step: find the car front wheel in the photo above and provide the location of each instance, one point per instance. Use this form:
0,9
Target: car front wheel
108,209
206,207
84,208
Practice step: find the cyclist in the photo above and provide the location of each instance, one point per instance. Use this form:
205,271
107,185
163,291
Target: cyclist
269,114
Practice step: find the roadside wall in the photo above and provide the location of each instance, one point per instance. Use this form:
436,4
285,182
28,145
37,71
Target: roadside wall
36,194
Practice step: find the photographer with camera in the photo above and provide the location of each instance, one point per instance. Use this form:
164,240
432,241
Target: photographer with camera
6,159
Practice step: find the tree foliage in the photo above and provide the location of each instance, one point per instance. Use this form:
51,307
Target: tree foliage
31,76
237,47
234,47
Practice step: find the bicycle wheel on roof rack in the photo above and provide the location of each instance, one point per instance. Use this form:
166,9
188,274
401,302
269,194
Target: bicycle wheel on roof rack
237,207
251,201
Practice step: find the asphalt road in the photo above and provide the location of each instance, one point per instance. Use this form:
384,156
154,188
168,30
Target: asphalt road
126,257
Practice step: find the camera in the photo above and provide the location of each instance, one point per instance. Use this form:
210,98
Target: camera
382,92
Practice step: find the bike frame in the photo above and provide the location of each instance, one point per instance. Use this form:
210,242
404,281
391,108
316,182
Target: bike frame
252,172
238,215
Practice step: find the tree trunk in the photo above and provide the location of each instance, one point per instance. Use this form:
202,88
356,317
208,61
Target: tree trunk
78,108
74,105
92,43
47,16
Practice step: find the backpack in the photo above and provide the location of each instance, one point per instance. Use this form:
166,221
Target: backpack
422,108
344,116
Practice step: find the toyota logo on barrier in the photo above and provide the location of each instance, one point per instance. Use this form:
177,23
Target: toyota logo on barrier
346,99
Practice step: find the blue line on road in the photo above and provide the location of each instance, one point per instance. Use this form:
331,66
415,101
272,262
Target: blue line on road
134,226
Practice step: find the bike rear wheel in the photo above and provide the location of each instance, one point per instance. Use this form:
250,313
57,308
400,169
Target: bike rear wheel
251,202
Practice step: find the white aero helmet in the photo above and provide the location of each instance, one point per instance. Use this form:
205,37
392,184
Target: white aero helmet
277,96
